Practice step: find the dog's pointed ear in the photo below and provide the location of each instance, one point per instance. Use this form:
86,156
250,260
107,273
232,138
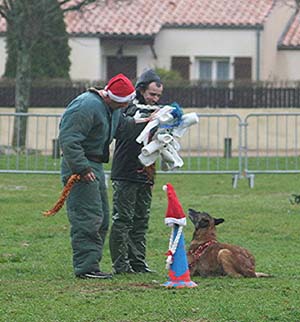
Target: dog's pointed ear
218,221
192,211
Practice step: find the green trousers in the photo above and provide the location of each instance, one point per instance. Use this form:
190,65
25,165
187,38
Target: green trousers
88,213
131,210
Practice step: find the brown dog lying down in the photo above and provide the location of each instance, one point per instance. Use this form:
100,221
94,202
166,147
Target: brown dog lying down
207,257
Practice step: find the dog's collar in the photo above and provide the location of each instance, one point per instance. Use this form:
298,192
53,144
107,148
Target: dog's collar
199,251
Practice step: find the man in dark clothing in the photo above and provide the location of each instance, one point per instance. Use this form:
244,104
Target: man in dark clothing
132,184
87,128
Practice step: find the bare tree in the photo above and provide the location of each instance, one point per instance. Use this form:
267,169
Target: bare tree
25,19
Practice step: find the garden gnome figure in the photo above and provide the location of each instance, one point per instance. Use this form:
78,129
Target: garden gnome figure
176,263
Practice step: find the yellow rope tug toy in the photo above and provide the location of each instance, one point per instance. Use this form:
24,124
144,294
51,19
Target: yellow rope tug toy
67,188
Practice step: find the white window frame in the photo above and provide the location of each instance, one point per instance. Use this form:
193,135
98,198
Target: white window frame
214,61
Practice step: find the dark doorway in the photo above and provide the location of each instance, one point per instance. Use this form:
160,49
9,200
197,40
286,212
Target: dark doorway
126,65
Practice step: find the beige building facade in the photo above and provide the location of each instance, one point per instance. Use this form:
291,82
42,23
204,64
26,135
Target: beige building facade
214,46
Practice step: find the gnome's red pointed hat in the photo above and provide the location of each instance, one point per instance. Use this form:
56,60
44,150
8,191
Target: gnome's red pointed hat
174,213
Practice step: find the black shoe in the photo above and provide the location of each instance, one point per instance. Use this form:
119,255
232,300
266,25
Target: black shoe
95,275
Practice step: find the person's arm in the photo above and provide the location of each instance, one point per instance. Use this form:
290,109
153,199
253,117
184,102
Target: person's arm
133,121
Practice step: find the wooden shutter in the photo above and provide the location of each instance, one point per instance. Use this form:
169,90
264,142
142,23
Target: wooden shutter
182,66
126,65
243,68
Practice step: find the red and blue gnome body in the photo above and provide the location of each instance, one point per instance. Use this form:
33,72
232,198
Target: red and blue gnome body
176,263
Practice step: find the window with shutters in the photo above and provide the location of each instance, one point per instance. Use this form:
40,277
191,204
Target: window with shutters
243,68
182,66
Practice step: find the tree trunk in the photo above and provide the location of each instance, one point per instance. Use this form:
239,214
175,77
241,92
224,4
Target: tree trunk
22,96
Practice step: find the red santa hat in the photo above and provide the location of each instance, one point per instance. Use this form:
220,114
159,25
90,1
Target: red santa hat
120,89
174,213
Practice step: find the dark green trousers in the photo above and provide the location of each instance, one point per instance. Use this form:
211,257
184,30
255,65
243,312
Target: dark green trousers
88,213
131,210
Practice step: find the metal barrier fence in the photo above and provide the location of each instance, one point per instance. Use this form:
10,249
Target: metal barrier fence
218,144
39,154
272,143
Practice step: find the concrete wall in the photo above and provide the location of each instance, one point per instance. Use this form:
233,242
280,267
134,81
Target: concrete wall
288,65
271,68
85,59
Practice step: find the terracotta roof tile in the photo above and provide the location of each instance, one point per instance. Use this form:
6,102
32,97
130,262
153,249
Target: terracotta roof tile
142,17
291,37
222,12
145,18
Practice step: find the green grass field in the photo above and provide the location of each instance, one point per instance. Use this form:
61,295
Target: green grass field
37,282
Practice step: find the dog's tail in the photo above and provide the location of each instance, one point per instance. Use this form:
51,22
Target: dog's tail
74,178
259,274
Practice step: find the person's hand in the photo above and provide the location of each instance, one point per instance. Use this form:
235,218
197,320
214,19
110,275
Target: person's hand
90,176
138,118
154,115
147,119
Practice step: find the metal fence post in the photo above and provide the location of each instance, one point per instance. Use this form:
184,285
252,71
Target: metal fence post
227,148
55,149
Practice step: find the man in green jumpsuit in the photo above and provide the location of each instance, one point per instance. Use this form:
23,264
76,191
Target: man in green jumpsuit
132,184
87,128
